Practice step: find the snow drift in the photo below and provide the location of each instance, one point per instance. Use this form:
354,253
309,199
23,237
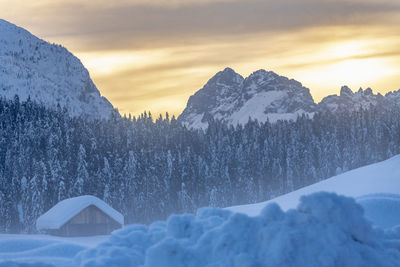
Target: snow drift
382,210
324,230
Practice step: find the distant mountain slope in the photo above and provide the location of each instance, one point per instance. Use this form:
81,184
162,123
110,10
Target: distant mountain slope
378,178
264,95
48,73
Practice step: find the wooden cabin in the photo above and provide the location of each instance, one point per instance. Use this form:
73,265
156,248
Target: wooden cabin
80,216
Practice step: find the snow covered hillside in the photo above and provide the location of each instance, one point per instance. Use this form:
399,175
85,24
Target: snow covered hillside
371,185
48,73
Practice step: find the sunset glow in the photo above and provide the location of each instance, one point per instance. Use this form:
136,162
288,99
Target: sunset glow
152,55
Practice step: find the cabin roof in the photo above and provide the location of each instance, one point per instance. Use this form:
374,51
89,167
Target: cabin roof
66,209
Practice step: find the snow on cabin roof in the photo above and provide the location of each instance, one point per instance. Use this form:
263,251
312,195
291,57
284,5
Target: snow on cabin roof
66,209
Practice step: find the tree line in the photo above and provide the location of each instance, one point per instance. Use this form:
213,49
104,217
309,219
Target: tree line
148,168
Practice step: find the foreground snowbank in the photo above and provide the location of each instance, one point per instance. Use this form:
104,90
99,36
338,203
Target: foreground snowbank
383,210
324,230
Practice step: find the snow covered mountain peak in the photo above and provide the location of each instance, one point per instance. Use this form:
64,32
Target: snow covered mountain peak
214,99
394,95
228,77
261,77
47,73
223,83
264,95
346,91
350,101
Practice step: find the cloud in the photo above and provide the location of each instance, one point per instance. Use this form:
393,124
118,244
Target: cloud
126,24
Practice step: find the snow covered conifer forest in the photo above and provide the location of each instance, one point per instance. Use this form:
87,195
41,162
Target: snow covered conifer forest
148,168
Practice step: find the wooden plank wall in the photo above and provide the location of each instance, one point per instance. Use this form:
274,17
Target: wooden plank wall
90,221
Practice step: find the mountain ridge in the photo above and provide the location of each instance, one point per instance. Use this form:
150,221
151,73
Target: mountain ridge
265,95
51,75
47,73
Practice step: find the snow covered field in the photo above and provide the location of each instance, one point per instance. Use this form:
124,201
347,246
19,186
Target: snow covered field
321,229
38,250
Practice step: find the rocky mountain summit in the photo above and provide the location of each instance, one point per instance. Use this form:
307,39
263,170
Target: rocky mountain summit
265,95
349,100
48,74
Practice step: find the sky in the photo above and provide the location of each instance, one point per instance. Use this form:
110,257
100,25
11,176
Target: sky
154,54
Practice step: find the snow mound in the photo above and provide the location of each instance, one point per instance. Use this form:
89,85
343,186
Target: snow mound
63,211
324,230
382,209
